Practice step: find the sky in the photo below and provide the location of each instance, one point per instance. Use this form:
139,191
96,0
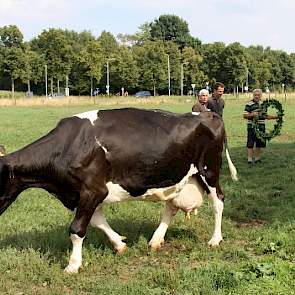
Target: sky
257,22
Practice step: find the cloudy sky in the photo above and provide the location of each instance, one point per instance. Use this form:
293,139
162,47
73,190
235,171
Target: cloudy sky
257,22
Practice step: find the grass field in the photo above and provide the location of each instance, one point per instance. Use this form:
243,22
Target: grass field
256,257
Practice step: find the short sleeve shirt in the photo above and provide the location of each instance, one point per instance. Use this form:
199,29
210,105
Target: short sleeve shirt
250,107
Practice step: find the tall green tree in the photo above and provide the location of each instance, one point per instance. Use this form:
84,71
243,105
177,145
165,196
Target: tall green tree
172,28
11,36
57,51
213,60
123,70
108,44
14,65
12,52
152,63
193,68
234,66
91,62
264,67
287,68
34,67
78,82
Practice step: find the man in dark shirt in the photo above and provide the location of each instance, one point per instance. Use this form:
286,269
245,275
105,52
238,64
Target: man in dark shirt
252,109
216,102
201,105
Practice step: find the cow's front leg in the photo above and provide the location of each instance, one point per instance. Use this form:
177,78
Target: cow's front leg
98,221
87,205
158,237
76,256
217,209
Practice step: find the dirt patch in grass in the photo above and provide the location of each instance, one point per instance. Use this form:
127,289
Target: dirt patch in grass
251,223
285,137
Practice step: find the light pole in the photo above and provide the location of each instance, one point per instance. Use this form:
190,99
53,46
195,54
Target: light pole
168,68
181,80
193,86
182,77
91,86
46,87
108,79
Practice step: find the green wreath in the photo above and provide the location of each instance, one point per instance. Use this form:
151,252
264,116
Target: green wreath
268,135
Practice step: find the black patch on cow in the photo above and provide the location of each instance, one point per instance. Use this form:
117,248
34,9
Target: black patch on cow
201,182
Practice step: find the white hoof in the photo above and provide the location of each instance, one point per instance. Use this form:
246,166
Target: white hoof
121,249
156,246
214,242
70,269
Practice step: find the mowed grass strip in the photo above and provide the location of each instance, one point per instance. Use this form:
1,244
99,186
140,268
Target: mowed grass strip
257,255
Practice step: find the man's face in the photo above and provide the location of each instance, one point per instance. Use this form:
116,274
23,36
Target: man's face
218,92
257,96
203,98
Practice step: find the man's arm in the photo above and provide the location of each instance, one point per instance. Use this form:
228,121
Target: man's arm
249,115
196,108
270,117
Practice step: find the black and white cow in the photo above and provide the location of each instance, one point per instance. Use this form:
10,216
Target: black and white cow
100,157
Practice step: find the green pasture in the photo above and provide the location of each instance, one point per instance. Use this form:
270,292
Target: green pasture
257,255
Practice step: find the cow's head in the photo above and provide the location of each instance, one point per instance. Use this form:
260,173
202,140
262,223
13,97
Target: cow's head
4,175
2,151
9,188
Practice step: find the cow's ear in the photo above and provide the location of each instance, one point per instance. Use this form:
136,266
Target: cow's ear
2,151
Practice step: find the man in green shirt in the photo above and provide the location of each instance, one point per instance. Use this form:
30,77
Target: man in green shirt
216,102
252,109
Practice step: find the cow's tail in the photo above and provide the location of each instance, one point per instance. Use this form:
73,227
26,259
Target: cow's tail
232,168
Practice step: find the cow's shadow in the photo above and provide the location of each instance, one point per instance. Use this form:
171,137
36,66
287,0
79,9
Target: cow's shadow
56,243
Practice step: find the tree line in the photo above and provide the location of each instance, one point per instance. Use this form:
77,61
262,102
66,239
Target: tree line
142,61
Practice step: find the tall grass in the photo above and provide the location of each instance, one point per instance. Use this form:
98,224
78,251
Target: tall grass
256,257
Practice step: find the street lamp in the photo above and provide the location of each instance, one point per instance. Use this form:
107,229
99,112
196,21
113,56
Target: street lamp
108,79
168,68
193,86
46,83
181,77
108,75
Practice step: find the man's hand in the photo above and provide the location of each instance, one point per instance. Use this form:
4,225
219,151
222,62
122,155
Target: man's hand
255,114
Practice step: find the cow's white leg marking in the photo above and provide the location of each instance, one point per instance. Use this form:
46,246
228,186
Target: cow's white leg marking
158,237
217,209
98,221
76,256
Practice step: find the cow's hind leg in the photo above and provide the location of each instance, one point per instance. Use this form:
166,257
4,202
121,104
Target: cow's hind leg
217,209
98,221
87,205
158,237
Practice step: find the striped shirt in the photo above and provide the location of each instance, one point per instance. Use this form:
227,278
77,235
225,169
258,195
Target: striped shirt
251,107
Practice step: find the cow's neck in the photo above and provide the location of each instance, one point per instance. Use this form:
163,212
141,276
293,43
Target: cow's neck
31,166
